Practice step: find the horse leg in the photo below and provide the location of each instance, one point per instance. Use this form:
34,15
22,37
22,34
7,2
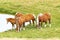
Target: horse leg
17,24
12,26
23,26
33,22
20,27
30,22
17,27
41,24
49,22
38,23
45,24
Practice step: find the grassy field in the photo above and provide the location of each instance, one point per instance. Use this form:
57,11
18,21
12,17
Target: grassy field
33,6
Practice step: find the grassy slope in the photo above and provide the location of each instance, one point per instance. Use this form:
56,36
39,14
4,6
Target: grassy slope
33,6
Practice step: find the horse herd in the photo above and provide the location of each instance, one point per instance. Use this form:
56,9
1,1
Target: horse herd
20,20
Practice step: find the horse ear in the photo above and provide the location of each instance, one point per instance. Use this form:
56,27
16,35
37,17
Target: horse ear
17,12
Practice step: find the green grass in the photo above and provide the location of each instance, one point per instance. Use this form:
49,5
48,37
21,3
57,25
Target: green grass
33,6
32,32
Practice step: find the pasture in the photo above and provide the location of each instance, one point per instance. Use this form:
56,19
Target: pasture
36,7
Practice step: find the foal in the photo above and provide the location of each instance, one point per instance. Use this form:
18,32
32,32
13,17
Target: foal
43,18
12,21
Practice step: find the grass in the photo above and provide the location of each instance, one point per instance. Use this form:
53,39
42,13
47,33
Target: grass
33,6
33,33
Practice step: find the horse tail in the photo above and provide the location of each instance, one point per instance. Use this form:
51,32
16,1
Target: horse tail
34,17
37,21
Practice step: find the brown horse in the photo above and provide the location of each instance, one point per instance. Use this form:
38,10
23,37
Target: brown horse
12,21
17,16
20,22
22,19
43,18
29,17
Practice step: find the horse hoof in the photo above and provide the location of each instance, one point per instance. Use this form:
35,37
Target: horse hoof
23,28
17,31
45,25
50,25
41,28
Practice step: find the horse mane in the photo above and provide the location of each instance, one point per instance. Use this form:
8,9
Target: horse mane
40,14
34,15
18,12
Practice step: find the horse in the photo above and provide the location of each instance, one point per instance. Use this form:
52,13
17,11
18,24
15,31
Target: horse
30,17
17,15
12,21
22,19
46,17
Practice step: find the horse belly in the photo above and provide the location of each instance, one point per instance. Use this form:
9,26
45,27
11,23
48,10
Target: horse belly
28,19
